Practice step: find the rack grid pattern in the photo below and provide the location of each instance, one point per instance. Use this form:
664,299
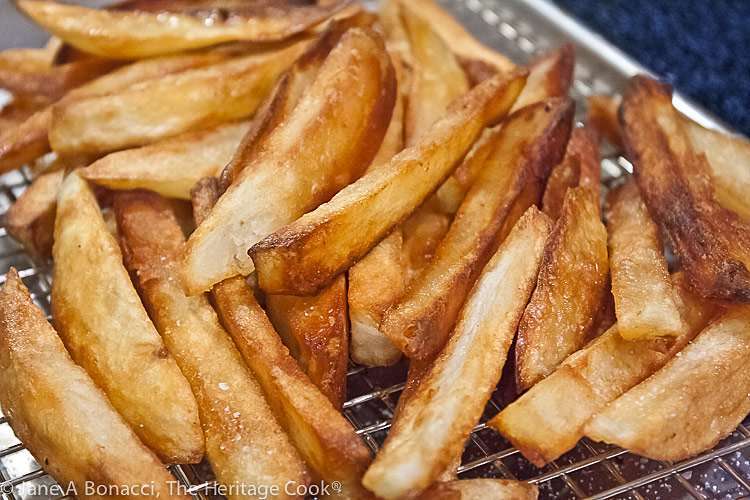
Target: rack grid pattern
591,470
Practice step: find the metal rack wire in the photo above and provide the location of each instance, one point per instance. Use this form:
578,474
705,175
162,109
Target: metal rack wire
520,29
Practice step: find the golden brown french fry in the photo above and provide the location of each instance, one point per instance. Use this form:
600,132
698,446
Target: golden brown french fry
170,167
431,429
328,139
192,99
25,142
696,399
526,148
156,28
422,233
30,220
329,240
709,240
57,411
323,438
602,117
569,292
468,489
317,333
547,420
396,39
244,443
112,337
644,299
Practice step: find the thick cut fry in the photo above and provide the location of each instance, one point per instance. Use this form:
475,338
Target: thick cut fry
569,292
329,240
104,326
317,333
30,220
25,142
57,411
244,443
547,421
436,77
474,489
644,299
170,167
323,438
422,233
709,240
432,427
529,144
156,28
602,117
580,167
191,99
696,399
323,145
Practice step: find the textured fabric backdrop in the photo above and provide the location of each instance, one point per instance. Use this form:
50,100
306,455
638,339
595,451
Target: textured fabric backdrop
702,47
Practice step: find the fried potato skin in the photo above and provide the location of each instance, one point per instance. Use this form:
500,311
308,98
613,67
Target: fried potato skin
240,429
644,299
602,117
268,193
547,421
710,241
698,398
324,243
531,142
468,489
431,429
569,291
170,167
57,411
112,337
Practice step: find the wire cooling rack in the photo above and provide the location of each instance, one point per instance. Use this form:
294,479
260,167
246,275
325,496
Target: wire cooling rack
520,29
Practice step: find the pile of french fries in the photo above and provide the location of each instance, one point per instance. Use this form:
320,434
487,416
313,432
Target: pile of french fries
238,197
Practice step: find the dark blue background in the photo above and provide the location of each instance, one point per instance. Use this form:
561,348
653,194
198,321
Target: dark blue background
702,47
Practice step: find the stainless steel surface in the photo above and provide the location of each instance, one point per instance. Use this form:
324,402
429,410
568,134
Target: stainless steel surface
520,29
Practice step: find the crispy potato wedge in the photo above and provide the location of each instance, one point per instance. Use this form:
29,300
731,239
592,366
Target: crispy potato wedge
323,438
316,331
547,420
422,233
341,136
161,27
581,166
698,398
436,77
170,167
602,117
644,298
112,337
526,148
329,240
709,240
52,405
30,220
244,442
396,39
25,142
431,429
192,99
472,489
569,292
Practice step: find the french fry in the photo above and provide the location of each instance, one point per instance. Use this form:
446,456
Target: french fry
699,397
396,39
323,438
244,443
581,166
529,144
170,167
57,411
329,240
156,28
602,117
547,421
709,240
422,233
25,142
341,136
317,333
467,489
569,292
192,99
112,337
431,429
644,299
